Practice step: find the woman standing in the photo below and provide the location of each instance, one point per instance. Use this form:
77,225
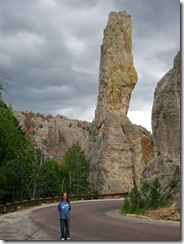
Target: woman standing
64,208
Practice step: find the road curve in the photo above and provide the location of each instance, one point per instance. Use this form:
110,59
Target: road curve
97,221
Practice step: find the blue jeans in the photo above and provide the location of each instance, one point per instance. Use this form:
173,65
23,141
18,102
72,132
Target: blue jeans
65,228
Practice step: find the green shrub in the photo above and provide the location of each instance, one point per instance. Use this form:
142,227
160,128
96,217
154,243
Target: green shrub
134,203
144,184
174,181
154,195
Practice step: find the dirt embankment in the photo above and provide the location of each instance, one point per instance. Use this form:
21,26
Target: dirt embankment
168,213
163,214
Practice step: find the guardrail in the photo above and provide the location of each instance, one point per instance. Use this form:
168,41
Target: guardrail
18,205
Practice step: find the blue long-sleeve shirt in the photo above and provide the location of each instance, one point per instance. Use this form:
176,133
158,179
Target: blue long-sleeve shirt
64,208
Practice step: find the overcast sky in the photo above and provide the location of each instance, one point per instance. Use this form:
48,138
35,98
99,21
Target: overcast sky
51,49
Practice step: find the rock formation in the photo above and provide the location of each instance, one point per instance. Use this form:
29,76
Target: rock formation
121,153
117,76
53,135
168,174
166,114
166,134
117,147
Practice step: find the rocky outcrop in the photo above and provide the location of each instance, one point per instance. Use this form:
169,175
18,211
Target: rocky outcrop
168,174
116,146
166,114
53,135
166,135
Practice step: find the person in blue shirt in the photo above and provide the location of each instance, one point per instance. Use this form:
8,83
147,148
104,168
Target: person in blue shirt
64,208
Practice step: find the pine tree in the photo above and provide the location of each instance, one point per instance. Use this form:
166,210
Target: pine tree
77,169
15,158
154,195
133,202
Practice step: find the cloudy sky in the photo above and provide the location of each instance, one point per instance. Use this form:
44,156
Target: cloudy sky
51,49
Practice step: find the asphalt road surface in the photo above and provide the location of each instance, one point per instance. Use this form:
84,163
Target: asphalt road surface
100,221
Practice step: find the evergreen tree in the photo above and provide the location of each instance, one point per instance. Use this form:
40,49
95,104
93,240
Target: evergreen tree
15,158
45,176
76,170
154,195
133,202
36,177
50,174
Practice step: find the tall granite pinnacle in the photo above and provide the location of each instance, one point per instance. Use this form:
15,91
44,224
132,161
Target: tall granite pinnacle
117,76
116,146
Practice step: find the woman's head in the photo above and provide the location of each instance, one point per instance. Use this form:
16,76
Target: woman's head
65,197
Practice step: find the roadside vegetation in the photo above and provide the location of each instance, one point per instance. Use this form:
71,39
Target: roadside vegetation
24,171
149,197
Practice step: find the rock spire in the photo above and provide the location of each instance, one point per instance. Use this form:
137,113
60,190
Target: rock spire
116,146
117,76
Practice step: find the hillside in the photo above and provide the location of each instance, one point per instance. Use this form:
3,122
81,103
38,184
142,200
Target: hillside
53,135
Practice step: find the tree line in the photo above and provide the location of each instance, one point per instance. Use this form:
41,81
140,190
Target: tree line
24,171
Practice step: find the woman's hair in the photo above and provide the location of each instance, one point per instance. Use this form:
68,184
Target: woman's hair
67,197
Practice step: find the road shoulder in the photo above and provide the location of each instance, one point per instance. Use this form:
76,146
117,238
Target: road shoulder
19,226
140,218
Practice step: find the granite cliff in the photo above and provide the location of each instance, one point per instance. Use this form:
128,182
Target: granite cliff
166,114
166,134
53,135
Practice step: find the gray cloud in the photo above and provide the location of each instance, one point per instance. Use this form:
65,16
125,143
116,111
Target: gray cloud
51,49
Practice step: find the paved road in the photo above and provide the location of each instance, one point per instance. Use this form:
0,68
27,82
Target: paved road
19,226
99,220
